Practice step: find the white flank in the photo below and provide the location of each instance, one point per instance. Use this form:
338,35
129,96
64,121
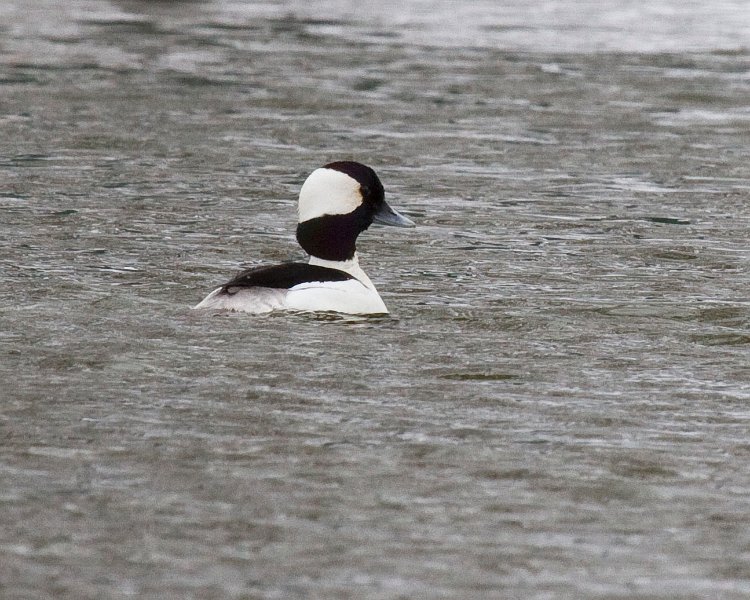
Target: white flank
350,297
253,300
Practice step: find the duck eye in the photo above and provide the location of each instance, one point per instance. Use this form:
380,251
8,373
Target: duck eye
365,191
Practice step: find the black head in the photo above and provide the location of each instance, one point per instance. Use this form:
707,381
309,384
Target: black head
335,209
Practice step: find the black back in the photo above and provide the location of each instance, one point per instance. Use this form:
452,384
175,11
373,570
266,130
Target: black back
283,276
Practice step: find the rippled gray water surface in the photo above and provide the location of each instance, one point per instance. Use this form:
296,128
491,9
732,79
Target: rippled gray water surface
558,405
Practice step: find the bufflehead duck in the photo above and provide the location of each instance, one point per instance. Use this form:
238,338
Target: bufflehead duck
336,203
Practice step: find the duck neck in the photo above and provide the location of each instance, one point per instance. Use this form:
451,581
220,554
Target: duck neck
333,237
350,266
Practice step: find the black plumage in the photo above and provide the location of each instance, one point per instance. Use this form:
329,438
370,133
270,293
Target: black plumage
283,276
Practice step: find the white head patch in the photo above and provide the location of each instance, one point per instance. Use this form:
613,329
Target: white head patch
328,192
